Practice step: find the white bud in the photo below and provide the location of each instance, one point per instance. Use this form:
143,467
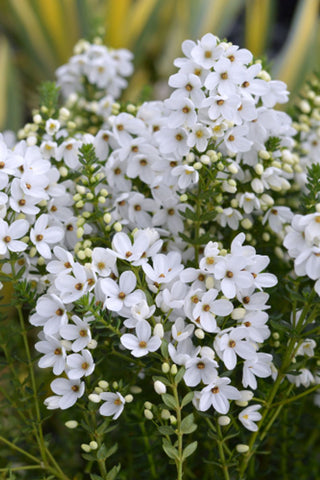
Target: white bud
63,171
246,395
233,168
93,445
165,367
266,236
107,218
80,189
267,200
94,398
199,333
224,420
158,330
241,403
174,369
304,106
257,185
85,447
238,313
71,424
98,390
37,119
197,166
103,384
209,282
246,223
135,389
242,448
165,414
148,414
92,344
128,398
117,227
148,405
159,387
259,169
173,420
264,154
205,159
31,141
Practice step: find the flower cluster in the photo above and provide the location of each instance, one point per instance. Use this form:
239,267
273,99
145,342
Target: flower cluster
123,216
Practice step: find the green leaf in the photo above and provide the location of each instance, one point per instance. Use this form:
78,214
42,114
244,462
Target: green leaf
189,450
188,425
166,430
93,476
179,375
164,349
187,399
169,449
102,453
89,457
169,400
112,450
113,472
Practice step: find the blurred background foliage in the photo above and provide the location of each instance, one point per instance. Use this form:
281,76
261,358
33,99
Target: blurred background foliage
36,36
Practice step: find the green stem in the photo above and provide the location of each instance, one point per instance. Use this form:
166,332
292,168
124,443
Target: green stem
296,397
224,465
179,461
147,447
20,450
290,351
22,467
34,386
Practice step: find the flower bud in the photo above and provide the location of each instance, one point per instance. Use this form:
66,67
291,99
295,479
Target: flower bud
159,387
148,405
135,389
94,398
93,445
199,333
148,414
85,447
158,330
173,420
242,448
103,384
71,424
165,367
165,414
224,420
238,313
174,369
128,398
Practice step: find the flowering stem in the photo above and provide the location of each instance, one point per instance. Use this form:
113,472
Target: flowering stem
179,460
147,447
290,352
33,385
224,465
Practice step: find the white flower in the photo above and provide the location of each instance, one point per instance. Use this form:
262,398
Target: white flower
206,51
122,295
103,261
143,343
259,365
54,354
250,415
113,405
72,287
217,395
229,345
42,235
68,392
208,307
80,364
10,234
231,271
80,333
200,370
50,313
